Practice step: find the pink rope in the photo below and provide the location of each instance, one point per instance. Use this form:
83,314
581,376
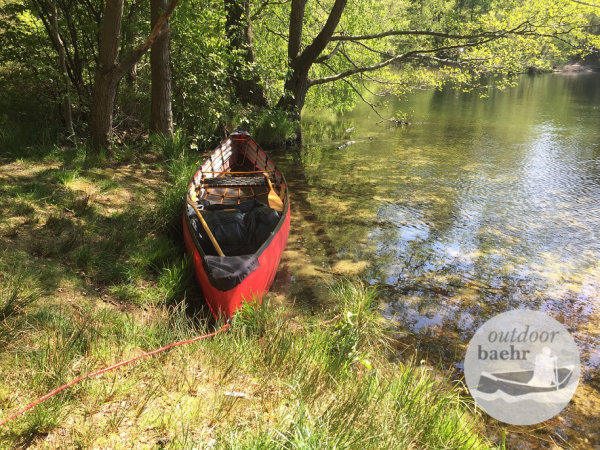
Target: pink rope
108,369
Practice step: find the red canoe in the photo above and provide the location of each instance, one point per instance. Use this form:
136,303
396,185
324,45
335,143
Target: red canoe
236,223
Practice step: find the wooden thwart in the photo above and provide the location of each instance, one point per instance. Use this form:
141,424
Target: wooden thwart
234,182
235,173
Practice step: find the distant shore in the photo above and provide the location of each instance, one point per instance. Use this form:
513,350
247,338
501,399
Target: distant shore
577,68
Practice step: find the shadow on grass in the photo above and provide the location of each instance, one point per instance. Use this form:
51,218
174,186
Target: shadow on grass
115,250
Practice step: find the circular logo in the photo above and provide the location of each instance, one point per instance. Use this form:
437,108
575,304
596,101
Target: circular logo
522,367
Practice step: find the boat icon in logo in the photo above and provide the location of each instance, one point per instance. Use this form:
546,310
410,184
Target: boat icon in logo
544,378
522,367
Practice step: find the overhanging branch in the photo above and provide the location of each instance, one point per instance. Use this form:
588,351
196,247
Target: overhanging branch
365,37
330,55
521,29
450,62
371,105
159,28
372,50
586,3
276,33
387,62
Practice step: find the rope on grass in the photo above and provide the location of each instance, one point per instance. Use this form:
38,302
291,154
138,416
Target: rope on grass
108,369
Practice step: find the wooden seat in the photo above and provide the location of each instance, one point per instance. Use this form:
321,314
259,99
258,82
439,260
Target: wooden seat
229,181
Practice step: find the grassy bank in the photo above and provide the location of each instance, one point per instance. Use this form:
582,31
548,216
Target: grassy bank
92,271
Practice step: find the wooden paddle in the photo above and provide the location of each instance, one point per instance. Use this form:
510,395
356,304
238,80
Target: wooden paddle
208,232
274,199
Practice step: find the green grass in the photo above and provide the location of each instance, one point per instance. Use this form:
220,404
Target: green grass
65,176
94,272
298,382
15,293
339,387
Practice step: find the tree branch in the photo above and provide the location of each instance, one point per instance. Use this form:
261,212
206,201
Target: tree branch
159,28
450,62
387,55
371,105
585,3
263,6
489,36
391,60
276,33
422,33
330,55
311,53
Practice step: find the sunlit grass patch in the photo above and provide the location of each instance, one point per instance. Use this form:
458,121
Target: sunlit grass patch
274,379
102,283
328,386
65,177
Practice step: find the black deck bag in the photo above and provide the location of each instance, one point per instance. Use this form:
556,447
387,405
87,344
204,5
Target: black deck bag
229,231
259,223
239,232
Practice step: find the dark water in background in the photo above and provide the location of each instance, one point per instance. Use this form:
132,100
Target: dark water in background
479,206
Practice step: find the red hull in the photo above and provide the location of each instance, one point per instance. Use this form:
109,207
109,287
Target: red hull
224,303
249,276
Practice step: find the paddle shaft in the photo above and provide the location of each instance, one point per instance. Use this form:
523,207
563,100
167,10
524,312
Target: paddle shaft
208,232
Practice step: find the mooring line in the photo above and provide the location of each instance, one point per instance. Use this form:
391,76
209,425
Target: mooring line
108,369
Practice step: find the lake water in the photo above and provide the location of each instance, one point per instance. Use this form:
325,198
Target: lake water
481,205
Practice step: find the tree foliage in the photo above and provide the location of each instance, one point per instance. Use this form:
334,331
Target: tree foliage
345,47
404,45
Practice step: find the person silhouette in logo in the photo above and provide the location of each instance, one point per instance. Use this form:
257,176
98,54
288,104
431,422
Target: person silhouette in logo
544,373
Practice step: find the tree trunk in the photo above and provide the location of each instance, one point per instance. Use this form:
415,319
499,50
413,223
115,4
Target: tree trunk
109,70
300,61
103,102
161,112
107,78
295,88
238,27
292,101
62,67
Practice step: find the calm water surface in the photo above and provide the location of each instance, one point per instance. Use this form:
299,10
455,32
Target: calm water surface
479,206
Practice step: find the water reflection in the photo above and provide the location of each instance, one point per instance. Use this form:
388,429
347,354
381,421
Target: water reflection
480,206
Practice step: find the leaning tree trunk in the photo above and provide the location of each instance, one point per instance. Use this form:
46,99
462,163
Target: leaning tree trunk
292,101
296,84
300,61
295,88
238,27
161,112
